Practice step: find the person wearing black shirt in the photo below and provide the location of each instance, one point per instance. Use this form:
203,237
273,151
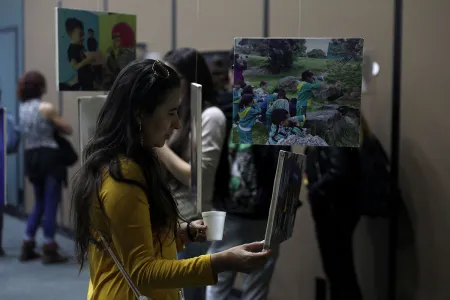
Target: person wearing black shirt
76,54
92,44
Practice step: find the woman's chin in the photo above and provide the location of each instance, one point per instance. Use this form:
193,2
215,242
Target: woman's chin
159,145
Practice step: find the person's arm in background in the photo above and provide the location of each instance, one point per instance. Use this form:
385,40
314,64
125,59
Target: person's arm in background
76,66
334,176
312,86
213,133
48,111
180,169
256,109
300,119
214,126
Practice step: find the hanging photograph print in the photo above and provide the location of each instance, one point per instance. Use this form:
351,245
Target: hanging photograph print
92,48
294,91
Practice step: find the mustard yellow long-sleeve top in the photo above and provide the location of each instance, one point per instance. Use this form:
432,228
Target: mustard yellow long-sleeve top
157,276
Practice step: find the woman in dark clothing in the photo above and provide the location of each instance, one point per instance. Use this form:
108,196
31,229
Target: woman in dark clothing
44,164
334,185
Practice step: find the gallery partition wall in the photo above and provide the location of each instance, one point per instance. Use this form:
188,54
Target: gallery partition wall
11,60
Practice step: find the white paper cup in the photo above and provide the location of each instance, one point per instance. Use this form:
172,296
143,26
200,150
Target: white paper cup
215,220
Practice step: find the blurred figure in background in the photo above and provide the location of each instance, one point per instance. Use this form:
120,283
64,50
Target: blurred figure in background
176,154
44,164
334,189
141,51
243,188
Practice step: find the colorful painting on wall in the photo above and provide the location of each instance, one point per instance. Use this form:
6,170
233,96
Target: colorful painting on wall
92,48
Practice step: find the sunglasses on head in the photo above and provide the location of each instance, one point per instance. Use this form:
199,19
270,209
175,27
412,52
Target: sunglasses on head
160,70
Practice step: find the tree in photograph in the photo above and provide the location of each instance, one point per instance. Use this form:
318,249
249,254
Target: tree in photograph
348,75
316,53
282,53
346,49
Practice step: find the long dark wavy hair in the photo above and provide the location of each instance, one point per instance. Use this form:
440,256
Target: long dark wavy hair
192,67
137,90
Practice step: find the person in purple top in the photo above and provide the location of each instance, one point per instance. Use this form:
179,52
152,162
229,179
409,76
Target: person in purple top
240,65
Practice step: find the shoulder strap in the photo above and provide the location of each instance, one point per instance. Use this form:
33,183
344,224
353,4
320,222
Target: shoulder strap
122,270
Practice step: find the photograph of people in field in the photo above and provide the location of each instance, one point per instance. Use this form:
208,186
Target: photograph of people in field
297,91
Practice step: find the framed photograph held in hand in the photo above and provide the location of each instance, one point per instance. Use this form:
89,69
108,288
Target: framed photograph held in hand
285,198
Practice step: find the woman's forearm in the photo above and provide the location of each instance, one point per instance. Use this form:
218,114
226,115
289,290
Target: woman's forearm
62,126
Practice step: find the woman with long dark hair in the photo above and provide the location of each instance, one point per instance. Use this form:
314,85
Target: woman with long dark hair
122,203
39,122
176,156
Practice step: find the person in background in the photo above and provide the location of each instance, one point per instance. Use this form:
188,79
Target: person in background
248,113
262,90
112,67
243,188
271,98
248,90
237,93
141,50
92,43
224,93
282,127
76,54
305,91
92,46
176,154
281,102
119,194
44,165
334,188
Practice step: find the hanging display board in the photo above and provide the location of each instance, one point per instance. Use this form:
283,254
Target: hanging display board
297,91
92,48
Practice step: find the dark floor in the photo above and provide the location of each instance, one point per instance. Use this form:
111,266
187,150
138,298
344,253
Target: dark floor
34,281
